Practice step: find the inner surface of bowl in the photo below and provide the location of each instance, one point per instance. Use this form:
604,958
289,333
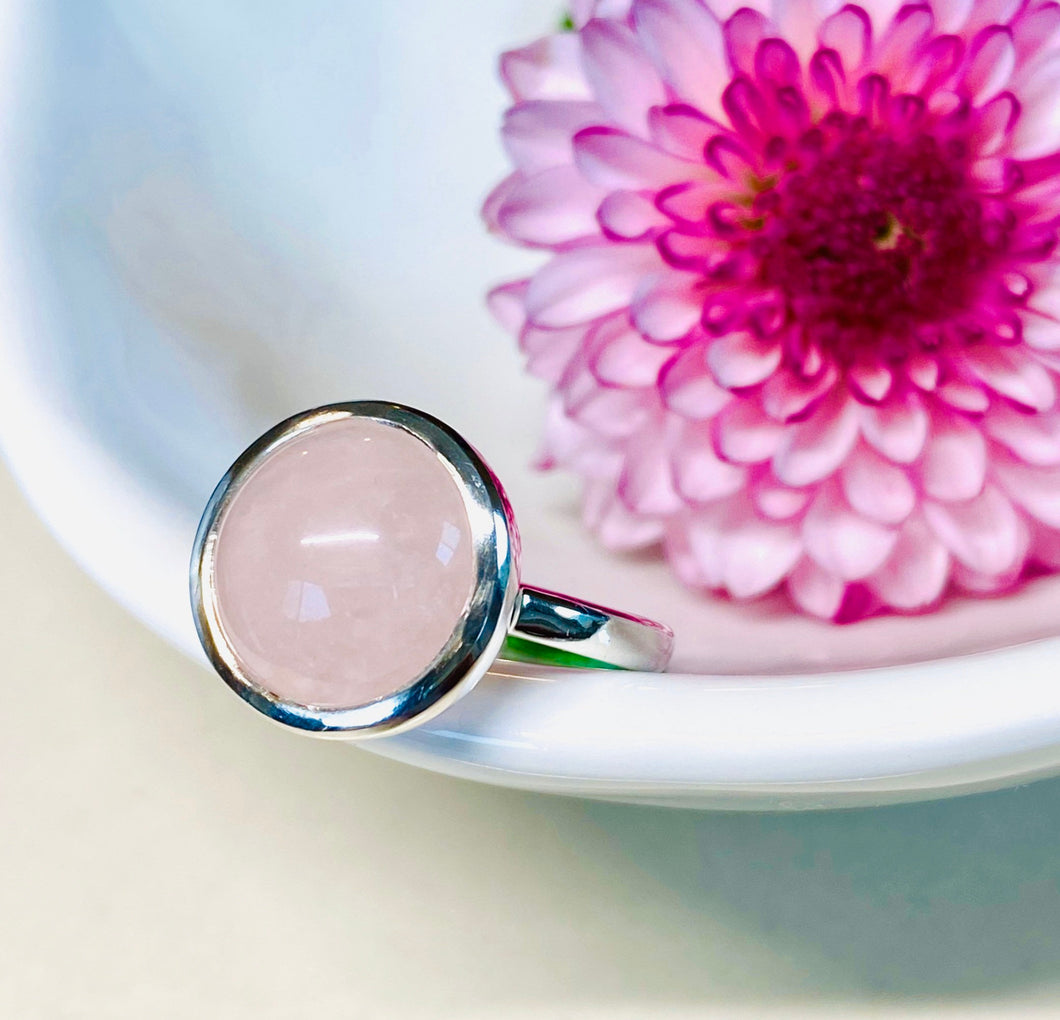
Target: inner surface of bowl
226,213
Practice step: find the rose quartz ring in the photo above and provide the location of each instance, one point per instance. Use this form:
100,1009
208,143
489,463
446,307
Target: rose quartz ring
357,570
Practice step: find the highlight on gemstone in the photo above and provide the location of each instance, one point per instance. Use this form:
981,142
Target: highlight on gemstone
799,312
343,564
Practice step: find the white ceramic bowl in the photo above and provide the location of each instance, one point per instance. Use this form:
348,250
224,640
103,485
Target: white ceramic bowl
215,214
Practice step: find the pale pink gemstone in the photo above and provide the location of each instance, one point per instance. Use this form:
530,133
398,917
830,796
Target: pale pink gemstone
344,564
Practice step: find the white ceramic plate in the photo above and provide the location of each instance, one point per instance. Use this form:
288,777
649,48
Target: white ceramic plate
215,214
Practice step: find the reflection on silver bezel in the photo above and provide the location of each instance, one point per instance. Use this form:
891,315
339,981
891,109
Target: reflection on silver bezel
471,648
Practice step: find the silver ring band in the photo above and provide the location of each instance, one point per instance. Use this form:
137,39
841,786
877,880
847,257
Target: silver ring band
589,635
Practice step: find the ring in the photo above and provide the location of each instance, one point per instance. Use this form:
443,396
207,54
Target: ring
357,570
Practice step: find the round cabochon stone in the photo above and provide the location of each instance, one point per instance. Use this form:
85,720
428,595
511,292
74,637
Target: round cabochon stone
344,564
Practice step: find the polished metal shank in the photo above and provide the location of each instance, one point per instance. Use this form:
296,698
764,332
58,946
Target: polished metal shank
604,636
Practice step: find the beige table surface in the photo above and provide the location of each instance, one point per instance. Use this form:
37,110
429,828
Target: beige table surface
165,853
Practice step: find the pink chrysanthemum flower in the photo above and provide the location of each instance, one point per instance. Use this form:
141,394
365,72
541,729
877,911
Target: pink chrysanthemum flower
801,311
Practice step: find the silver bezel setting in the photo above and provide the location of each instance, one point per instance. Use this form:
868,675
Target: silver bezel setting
479,635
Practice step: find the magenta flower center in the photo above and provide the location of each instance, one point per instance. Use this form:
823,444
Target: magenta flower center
871,238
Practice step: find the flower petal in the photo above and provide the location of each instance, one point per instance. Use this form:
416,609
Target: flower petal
923,370
1042,331
971,582
954,462
961,395
689,203
699,474
876,488
667,307
744,435
1013,375
727,8
692,568
684,41
996,119
585,283
950,15
551,208
842,541
797,22
786,396
692,252
620,74
612,412
681,129
779,502
549,68
687,389
1037,490
915,574
897,428
743,32
984,533
991,61
581,11
816,448
1034,31
984,13
628,216
871,383
1037,132
1033,438
849,33
614,524
826,78
881,12
611,159
549,351
907,32
507,303
738,360
755,555
496,198
570,444
538,135
646,485
815,590
777,63
622,357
